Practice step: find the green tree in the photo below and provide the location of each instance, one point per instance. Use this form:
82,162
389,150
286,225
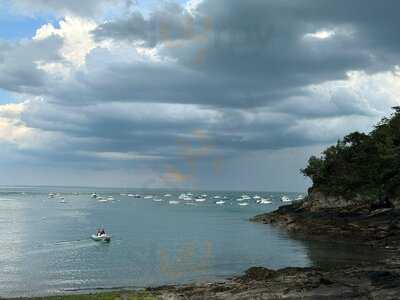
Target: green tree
361,164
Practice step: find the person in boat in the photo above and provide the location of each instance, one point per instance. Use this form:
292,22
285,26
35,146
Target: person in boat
98,232
102,232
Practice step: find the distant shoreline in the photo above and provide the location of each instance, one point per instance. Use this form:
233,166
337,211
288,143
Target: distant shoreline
180,189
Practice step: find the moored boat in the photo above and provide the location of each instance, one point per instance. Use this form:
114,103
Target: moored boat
101,238
264,201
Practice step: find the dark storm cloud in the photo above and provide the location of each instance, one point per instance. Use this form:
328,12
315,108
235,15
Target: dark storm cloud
169,21
234,53
237,70
163,83
178,134
260,46
19,63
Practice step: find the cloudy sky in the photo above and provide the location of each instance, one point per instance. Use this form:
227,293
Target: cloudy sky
207,94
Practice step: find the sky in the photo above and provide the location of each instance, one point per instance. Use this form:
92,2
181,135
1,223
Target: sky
199,94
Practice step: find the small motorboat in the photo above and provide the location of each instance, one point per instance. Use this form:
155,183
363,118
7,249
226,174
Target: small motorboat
137,196
264,201
185,197
101,238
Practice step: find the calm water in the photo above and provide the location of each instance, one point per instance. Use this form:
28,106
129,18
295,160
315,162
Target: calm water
46,246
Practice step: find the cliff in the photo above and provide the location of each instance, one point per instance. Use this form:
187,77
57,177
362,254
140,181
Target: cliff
320,216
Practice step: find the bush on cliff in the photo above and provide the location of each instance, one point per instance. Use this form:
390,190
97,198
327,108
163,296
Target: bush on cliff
361,164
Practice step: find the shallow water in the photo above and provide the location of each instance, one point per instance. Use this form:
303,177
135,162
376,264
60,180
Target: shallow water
46,246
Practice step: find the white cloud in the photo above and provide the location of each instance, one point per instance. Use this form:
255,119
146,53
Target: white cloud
124,156
12,130
75,33
321,35
192,5
375,93
14,133
11,110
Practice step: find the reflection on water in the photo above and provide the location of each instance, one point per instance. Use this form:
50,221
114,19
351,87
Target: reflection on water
46,246
327,254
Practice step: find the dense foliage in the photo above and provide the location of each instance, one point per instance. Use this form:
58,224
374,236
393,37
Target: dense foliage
361,164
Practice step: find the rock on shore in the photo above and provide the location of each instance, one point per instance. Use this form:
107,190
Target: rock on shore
367,282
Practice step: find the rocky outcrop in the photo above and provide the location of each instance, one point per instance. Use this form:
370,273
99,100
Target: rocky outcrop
359,223
317,200
367,282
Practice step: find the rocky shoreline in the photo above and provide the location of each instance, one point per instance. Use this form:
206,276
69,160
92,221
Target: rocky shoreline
362,223
361,282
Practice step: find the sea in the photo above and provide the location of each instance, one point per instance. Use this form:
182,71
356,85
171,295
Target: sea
157,238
